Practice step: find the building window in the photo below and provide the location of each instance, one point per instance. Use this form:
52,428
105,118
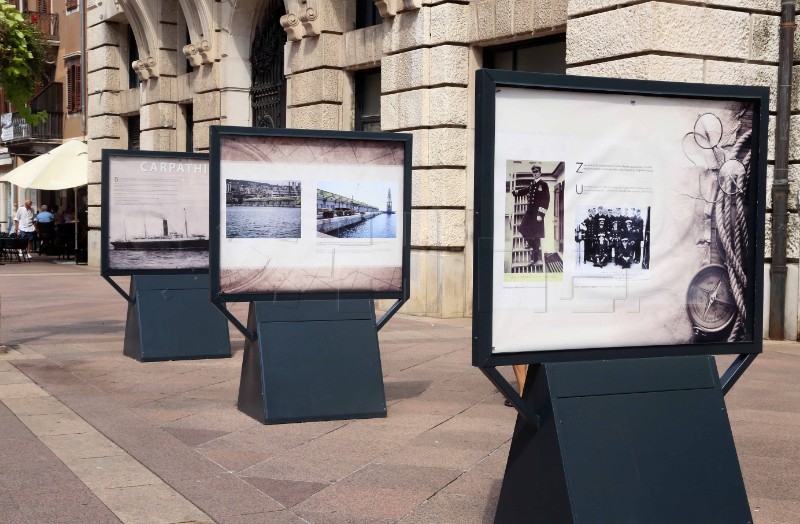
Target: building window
133,133
543,55
368,100
367,14
73,88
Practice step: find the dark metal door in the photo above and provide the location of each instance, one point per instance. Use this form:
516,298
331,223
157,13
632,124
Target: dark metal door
268,88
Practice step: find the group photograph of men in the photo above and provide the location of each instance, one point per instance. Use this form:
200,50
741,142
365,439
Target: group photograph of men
613,236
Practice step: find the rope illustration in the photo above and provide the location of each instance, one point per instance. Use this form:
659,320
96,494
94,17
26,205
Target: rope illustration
731,220
730,205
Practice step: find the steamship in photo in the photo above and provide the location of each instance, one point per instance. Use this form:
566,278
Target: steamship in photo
153,241
167,240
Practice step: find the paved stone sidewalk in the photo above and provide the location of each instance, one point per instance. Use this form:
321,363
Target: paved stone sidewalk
89,435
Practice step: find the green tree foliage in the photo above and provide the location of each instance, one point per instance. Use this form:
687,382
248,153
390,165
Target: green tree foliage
22,54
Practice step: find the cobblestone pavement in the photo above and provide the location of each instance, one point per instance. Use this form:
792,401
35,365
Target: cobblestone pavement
88,435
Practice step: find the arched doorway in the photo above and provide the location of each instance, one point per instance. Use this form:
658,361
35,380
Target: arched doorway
268,86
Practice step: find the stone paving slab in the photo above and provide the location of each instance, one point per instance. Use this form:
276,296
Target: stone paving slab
438,457
35,486
40,483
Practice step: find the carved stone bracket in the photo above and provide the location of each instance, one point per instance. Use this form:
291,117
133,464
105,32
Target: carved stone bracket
309,19
387,8
145,68
294,29
198,54
412,5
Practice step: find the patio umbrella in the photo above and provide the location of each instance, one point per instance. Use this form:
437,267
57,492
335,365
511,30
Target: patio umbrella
64,167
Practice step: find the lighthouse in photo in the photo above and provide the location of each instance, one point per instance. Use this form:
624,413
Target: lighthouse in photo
389,203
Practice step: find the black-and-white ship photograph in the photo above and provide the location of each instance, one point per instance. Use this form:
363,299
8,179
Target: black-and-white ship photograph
149,239
262,209
158,218
353,209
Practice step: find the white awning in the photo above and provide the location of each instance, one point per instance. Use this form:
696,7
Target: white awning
64,167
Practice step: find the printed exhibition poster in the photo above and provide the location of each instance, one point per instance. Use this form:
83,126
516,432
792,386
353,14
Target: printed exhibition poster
306,215
620,220
158,213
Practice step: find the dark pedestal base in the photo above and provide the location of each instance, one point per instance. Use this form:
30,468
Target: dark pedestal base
626,441
172,318
312,360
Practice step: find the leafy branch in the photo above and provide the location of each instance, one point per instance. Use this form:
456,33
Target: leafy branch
22,55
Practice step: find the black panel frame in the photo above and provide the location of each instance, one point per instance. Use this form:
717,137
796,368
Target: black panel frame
487,83
219,298
105,213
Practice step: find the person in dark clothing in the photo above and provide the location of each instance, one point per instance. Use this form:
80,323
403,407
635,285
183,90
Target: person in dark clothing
638,235
532,226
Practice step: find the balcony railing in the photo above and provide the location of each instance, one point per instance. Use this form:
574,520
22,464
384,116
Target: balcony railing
46,22
50,99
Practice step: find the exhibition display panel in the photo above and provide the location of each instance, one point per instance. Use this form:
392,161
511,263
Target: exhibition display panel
155,230
619,240
310,227
617,219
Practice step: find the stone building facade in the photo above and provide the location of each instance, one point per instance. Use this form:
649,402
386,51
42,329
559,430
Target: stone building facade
163,71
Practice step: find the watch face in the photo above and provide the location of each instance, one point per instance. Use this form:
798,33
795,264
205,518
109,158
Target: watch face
709,300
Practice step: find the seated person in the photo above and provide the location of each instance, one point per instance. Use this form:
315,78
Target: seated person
624,257
44,216
69,215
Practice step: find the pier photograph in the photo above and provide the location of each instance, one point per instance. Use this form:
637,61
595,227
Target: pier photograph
158,217
262,209
356,209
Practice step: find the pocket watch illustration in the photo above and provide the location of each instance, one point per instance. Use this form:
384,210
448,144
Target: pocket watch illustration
709,301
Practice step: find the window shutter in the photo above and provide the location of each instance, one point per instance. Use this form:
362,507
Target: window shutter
70,89
77,91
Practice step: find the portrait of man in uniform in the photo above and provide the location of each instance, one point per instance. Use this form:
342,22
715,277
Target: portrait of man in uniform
532,226
534,209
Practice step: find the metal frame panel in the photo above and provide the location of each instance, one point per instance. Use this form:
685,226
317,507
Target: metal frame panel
487,81
220,298
105,212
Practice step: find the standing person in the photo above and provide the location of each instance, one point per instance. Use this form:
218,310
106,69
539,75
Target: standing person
588,244
11,217
24,227
532,226
638,228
